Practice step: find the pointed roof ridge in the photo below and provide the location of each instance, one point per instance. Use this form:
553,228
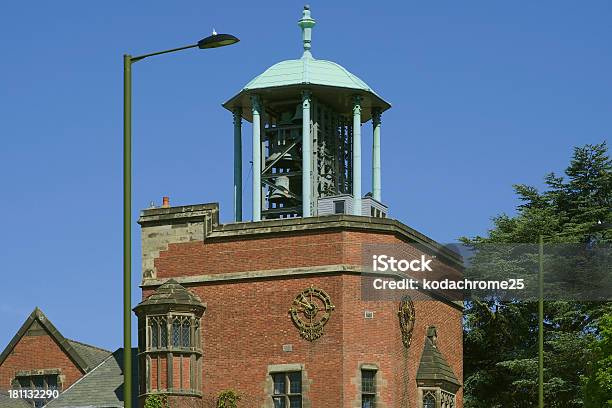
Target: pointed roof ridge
433,365
37,315
89,345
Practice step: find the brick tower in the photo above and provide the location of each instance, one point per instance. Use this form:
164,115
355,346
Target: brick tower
273,308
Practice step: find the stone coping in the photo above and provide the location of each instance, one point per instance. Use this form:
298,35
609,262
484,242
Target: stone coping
343,222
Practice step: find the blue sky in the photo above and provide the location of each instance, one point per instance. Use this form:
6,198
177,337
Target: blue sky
485,94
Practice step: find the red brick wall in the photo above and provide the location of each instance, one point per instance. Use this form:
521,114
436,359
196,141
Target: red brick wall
38,353
247,322
197,258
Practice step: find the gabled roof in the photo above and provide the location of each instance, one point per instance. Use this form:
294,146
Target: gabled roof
102,387
83,355
433,366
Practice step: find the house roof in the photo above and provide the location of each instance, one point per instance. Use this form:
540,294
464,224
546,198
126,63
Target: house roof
8,402
433,366
83,355
102,387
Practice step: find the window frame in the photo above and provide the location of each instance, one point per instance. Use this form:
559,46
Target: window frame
287,394
431,395
371,391
45,387
193,330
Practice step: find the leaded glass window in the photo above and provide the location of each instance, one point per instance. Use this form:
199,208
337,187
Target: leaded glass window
429,400
181,331
180,335
157,332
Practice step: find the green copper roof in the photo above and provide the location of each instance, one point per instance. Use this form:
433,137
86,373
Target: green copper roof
307,70
326,79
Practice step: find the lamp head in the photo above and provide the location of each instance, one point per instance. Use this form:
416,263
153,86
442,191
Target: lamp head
217,40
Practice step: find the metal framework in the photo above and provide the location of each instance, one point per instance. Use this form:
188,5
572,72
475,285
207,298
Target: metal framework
331,153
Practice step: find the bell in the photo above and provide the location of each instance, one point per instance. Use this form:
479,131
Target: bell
298,114
283,183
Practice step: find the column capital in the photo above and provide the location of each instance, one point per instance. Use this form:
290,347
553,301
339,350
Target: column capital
376,116
255,103
357,105
237,112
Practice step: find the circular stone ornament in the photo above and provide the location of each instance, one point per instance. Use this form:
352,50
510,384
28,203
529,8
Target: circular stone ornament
310,312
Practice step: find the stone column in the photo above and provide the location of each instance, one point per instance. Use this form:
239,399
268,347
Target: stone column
306,155
256,109
237,164
357,155
376,186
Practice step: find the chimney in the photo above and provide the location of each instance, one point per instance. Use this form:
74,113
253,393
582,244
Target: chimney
166,202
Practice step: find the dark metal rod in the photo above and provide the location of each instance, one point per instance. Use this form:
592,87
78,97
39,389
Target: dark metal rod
541,328
127,231
138,58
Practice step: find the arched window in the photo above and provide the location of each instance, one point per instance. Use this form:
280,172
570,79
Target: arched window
181,334
158,332
429,400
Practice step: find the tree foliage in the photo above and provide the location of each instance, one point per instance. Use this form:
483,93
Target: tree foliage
156,401
228,399
500,338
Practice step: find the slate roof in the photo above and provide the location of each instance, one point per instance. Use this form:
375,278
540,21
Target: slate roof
102,387
83,355
91,355
433,365
171,293
7,402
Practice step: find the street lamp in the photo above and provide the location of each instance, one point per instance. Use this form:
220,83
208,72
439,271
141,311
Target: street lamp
213,41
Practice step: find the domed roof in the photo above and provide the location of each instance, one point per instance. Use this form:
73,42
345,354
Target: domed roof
332,81
307,70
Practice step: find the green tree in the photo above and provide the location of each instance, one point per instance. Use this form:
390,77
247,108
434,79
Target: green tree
500,337
598,380
156,401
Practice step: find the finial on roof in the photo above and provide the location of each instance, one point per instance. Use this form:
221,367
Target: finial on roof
306,23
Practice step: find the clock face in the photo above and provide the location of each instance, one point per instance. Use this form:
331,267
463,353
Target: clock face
406,315
310,312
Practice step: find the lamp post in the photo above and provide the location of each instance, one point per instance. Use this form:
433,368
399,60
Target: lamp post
541,324
213,41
